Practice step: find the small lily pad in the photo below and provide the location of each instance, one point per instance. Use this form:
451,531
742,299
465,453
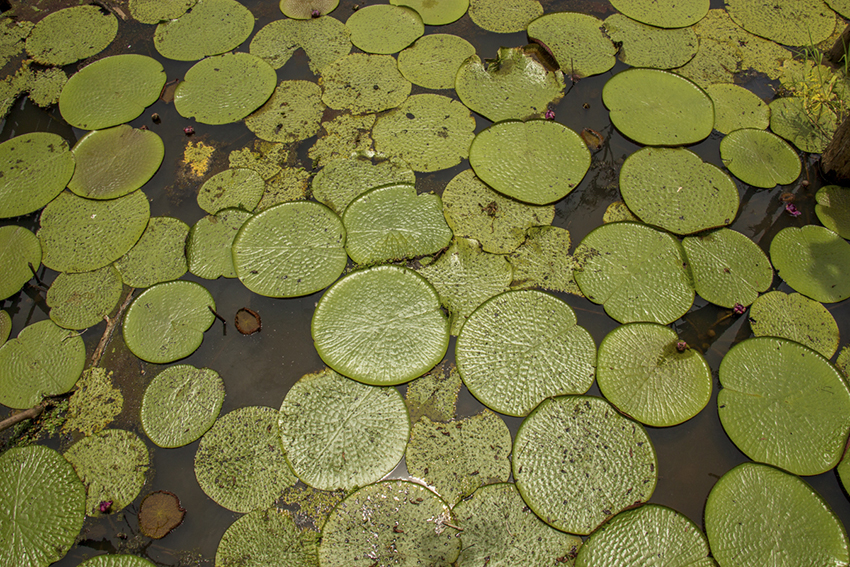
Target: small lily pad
342,180
159,513
79,301
544,261
649,46
209,247
436,13
232,188
155,11
363,83
384,28
797,318
432,62
780,20
324,40
833,209
664,13
293,113
306,9
211,27
68,35
264,538
814,261
760,158
19,249
576,41
35,168
502,16
736,107
809,131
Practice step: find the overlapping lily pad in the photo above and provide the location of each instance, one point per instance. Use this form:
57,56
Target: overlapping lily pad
384,28
544,261
553,161
340,434
155,11
814,261
324,40
648,46
158,256
68,35
664,13
79,301
111,91
795,317
576,41
35,168
735,107
167,321
810,131
293,113
19,249
209,248
212,27
432,62
833,209
232,188
434,395
437,13
306,9
263,538
789,22
760,158
577,462
381,326
363,83
342,180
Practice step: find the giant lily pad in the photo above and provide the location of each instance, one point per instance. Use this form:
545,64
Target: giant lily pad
292,114
209,248
636,272
674,189
795,317
19,249
514,85
649,46
68,35
381,326
644,374
658,108
736,107
437,13
41,506
167,321
760,158
784,404
521,347
232,188
810,131
225,89
290,249
833,209
664,13
432,62
553,160
210,28
111,91
363,83
814,261
266,538
155,11
577,462
79,301
576,41
342,180
384,28
340,434
35,168
324,40
240,463
789,22
756,511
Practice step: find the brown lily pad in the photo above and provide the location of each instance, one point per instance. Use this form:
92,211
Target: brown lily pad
160,513
248,321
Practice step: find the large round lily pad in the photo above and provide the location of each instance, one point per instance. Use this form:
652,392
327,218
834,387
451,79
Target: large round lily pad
266,538
290,249
756,512
324,40
363,83
643,374
833,209
42,503
293,113
658,108
437,13
636,272
158,256
576,41
784,404
209,248
814,261
340,434
552,161
577,462
521,347
384,28
238,188
79,301
35,167
68,35
45,360
789,22
167,321
111,91
210,28
225,88
19,249
432,62
381,326
760,158
650,46
795,317
664,13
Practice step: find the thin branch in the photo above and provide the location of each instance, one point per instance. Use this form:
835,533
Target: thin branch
31,413
110,328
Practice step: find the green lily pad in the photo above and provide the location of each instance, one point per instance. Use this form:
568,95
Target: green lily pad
474,210
266,538
5,326
138,154
292,184
521,347
809,131
436,13
434,395
636,272
781,20
432,62
729,269
658,108
342,180
735,107
232,188
617,212
784,404
760,158
393,522
502,16
465,276
840,6
649,46
305,9
664,13
842,361
576,41
290,249
344,137
553,160
514,85
394,223
167,321
843,470
79,301
209,247
363,83
212,27
364,322
158,256
340,434
756,511
459,456
428,131
116,561
44,360
41,506
225,88
833,209
324,40
180,404
577,462
384,28
293,113
240,463
814,261
155,11
643,374
111,91
19,248
797,318
544,261
95,403
112,465
649,534
674,189
500,530
66,36
35,167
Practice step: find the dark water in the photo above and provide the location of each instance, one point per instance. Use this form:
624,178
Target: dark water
260,369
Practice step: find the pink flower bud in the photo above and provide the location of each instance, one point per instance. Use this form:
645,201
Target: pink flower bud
188,130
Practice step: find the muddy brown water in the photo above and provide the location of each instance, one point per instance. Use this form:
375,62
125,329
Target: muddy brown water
259,369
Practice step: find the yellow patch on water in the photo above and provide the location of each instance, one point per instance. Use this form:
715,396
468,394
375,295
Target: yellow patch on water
197,156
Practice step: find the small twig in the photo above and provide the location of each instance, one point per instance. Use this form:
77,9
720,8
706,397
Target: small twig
110,328
35,275
452,526
220,318
31,413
